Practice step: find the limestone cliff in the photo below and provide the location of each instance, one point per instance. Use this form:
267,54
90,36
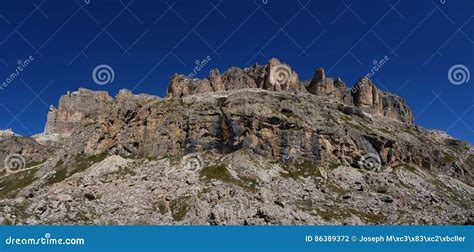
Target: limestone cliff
248,146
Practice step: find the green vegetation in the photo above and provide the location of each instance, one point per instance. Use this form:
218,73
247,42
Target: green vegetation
162,208
447,158
220,172
330,119
297,170
179,209
381,189
33,164
337,189
122,172
80,164
306,205
333,165
184,104
10,184
289,114
405,166
341,214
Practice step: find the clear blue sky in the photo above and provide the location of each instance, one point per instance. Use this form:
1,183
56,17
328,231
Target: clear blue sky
147,41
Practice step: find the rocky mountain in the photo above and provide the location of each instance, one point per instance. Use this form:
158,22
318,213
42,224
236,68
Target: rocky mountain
249,146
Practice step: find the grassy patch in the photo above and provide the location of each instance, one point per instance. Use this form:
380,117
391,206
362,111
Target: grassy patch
306,205
368,217
220,172
80,164
381,189
405,166
179,209
12,183
162,208
32,164
447,158
122,172
337,189
340,214
297,170
330,119
333,165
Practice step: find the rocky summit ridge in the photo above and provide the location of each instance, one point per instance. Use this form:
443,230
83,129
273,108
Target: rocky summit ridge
249,146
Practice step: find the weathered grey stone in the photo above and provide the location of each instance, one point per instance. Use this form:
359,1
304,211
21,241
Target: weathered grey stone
241,148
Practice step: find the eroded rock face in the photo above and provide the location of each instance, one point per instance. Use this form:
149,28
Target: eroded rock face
24,150
72,109
282,126
274,76
277,76
280,77
323,86
367,97
269,151
364,95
